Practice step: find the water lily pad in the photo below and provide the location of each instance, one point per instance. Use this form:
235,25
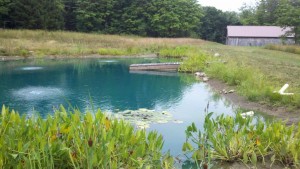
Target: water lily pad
142,118
162,121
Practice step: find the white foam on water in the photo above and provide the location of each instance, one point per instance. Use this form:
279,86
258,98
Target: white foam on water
107,61
38,93
31,68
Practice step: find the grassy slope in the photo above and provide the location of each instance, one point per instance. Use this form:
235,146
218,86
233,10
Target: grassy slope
278,67
40,43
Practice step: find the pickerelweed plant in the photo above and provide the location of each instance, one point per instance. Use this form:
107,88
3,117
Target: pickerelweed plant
76,140
238,139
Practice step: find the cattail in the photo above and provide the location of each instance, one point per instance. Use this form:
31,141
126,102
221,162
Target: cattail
205,166
90,142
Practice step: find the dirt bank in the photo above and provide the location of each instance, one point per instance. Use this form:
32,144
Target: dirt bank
240,101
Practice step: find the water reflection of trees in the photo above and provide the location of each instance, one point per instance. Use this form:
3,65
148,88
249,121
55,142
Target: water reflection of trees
115,85
109,84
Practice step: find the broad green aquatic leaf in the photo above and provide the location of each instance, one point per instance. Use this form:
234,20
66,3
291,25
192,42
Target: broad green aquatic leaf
254,158
14,155
245,158
143,118
3,112
194,128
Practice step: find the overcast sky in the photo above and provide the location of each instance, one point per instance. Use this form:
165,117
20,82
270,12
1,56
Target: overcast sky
226,5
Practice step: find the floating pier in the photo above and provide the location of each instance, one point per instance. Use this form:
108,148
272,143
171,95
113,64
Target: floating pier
156,73
156,66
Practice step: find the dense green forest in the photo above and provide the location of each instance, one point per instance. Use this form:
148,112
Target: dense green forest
273,12
154,18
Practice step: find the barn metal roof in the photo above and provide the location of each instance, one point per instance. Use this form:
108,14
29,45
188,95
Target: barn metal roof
257,31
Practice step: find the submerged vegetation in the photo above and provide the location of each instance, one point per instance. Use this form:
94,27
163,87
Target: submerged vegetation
75,140
238,139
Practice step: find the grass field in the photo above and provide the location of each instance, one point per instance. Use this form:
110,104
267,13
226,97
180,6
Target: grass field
286,48
255,71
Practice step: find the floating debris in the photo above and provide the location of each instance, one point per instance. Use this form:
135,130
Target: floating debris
177,121
142,125
142,118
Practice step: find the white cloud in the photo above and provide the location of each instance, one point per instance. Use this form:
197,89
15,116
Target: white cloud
226,5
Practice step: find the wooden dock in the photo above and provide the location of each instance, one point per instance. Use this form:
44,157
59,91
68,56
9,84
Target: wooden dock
155,73
155,66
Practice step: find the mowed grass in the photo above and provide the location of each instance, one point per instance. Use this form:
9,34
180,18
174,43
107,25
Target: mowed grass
278,67
255,71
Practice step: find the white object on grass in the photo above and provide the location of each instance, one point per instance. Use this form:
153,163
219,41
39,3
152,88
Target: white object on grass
284,87
216,54
205,79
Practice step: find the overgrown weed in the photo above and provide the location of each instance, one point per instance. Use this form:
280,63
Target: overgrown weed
240,139
75,140
285,48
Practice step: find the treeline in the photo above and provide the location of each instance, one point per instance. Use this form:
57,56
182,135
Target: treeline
273,12
166,18
154,18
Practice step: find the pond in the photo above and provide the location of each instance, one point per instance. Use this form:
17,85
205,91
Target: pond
41,85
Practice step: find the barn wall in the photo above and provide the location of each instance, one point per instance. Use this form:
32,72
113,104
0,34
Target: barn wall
236,41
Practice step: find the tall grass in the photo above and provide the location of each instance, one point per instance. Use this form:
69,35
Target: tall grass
43,43
252,83
75,140
285,48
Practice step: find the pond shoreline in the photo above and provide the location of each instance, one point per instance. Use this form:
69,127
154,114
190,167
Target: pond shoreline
278,112
93,56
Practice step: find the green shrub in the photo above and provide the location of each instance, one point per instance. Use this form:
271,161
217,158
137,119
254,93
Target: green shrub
23,52
120,51
112,51
194,63
178,52
76,140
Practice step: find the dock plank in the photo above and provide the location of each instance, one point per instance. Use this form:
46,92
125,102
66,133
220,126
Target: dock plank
156,66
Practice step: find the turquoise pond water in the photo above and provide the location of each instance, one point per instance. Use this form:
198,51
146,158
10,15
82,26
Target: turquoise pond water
42,85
